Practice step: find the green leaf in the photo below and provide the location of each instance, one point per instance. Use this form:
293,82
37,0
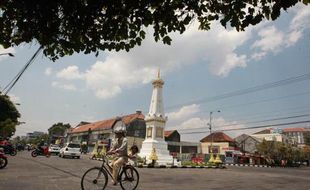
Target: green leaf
167,40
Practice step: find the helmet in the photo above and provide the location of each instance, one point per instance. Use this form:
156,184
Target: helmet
119,126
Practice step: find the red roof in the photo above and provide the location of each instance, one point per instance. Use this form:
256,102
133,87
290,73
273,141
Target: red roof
168,133
217,137
293,130
107,124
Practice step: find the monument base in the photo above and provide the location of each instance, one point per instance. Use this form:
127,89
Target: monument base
161,147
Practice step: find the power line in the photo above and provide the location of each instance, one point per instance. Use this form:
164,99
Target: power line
265,100
245,91
256,102
255,127
251,122
12,83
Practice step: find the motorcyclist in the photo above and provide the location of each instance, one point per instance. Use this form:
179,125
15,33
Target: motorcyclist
119,149
40,146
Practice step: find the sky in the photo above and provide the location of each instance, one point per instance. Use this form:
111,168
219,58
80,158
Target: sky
198,68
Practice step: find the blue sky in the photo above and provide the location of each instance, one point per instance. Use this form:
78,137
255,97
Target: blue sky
198,65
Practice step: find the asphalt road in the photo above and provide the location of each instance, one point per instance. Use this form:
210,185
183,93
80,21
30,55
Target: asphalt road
26,173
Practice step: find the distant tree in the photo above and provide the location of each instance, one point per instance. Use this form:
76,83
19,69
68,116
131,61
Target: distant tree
307,138
63,27
8,116
306,153
263,147
38,139
58,129
19,140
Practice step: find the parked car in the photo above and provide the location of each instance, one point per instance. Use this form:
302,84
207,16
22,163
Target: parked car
54,149
72,150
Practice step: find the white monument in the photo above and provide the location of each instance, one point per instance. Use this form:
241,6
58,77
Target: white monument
155,127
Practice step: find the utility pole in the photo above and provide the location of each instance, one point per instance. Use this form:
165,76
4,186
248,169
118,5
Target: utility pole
211,160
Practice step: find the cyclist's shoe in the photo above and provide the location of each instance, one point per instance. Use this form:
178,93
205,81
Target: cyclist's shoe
114,182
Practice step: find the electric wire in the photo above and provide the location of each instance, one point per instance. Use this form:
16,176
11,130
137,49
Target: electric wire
12,83
256,102
257,121
244,91
255,127
252,122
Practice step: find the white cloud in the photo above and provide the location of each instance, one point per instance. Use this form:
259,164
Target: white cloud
230,61
184,113
48,71
218,48
70,73
271,39
274,40
193,123
70,87
301,20
124,70
14,98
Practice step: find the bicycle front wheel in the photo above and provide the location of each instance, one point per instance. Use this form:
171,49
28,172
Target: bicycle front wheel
94,178
129,178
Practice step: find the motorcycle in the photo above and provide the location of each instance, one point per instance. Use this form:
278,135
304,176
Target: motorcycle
3,159
9,149
41,152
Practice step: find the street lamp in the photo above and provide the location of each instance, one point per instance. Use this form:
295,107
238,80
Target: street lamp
211,160
9,54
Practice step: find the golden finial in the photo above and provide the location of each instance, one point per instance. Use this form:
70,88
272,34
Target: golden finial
158,74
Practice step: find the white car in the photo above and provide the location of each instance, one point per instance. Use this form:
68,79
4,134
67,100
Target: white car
54,149
72,150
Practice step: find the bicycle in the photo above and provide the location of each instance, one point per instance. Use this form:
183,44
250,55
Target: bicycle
97,177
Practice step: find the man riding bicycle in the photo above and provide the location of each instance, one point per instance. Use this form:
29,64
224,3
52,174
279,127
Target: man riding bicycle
119,149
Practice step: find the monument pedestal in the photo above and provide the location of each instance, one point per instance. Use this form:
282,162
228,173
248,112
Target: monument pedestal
161,148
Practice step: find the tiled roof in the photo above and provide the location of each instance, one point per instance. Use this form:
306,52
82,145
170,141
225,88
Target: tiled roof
106,124
168,133
265,131
293,130
217,137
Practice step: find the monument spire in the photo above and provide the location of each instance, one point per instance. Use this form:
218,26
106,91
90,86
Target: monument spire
158,74
155,126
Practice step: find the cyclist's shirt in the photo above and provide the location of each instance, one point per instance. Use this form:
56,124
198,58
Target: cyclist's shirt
120,145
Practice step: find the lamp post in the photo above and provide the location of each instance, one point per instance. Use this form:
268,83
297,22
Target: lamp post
9,54
211,160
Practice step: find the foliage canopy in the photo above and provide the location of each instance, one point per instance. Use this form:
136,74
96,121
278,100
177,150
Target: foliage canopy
8,116
58,129
63,27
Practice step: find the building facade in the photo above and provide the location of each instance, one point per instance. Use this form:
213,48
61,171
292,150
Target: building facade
176,146
247,143
217,143
102,131
296,135
272,135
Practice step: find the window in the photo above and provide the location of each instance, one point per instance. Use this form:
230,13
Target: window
149,132
159,132
103,136
215,149
74,145
137,133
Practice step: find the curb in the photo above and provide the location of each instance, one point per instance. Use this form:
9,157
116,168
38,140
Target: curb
180,167
173,167
248,165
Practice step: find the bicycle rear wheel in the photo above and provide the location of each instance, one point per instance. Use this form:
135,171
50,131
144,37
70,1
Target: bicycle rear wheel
129,178
94,178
